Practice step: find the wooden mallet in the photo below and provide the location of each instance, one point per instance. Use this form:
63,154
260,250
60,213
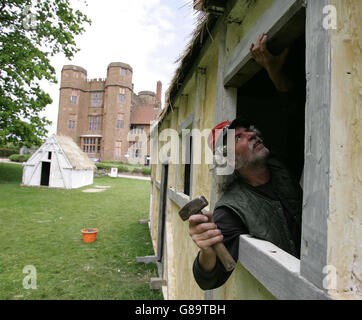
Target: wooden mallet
196,206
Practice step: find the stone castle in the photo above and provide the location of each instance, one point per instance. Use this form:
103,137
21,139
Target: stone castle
104,116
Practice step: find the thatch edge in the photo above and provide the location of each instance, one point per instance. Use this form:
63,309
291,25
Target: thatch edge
76,157
203,19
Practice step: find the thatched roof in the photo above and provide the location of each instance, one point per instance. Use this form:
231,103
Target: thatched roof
76,157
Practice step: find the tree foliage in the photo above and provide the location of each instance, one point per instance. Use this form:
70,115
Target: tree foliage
32,31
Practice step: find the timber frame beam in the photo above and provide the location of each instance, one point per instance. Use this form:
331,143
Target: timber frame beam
278,271
278,22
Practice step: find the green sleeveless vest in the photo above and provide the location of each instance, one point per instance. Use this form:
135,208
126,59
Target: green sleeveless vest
263,216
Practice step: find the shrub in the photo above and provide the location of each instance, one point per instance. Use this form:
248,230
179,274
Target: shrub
122,168
136,170
103,165
6,152
146,171
19,157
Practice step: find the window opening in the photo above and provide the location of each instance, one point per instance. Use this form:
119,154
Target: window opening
280,118
94,123
96,99
92,145
187,167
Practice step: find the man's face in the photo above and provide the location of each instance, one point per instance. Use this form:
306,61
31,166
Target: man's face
249,148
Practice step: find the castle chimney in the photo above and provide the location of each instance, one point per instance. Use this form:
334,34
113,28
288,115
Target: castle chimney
159,91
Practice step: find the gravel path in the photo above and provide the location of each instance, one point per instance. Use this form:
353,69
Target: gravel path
8,161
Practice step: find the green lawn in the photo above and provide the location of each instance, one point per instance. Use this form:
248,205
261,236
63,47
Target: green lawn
42,227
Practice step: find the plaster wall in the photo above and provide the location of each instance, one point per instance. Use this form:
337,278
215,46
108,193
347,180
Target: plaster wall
241,19
345,206
242,286
204,119
181,252
185,103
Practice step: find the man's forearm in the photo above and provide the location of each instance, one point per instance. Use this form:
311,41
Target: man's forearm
281,81
207,259
273,64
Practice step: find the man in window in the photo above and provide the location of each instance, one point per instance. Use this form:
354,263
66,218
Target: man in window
262,199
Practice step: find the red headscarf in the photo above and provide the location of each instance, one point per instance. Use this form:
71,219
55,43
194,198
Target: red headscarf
214,135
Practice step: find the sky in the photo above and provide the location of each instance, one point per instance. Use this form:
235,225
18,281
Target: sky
149,35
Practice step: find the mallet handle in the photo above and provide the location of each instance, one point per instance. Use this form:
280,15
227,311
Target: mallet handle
225,257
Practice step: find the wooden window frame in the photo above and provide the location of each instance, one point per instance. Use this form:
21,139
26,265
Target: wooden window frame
185,125
91,144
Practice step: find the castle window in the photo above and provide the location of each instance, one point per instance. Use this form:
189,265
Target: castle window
123,71
121,97
119,124
91,145
96,99
71,124
94,123
137,149
137,130
73,99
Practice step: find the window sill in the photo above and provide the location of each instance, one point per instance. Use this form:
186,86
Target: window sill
276,270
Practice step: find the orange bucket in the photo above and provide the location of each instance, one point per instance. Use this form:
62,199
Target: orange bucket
89,234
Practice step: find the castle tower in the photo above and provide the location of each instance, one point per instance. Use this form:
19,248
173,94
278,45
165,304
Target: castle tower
73,81
147,97
117,102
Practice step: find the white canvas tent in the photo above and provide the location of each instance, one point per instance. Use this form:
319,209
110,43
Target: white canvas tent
58,163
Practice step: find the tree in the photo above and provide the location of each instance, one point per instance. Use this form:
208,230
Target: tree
32,31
